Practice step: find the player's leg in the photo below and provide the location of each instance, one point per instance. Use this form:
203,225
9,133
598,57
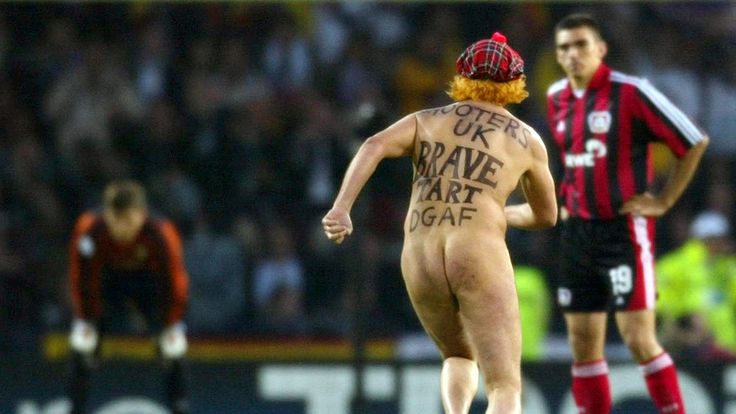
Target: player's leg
79,382
437,310
172,345
634,291
583,296
638,330
586,332
84,343
171,341
628,260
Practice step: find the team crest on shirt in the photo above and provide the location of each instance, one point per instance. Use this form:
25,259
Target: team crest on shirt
599,122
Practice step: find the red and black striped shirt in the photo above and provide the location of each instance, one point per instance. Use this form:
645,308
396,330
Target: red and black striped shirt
156,251
603,137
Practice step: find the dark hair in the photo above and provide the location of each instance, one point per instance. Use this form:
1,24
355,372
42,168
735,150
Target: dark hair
124,195
577,20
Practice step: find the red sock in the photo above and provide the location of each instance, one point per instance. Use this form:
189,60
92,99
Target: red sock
590,387
661,377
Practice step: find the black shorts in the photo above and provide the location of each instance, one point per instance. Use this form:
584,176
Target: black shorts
607,265
123,292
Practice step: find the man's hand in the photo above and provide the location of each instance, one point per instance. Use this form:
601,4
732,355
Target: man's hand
644,205
173,341
83,337
337,225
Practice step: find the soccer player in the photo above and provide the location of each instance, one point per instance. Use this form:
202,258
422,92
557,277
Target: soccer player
603,121
468,157
123,255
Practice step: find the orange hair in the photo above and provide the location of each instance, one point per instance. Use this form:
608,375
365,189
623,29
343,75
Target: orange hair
499,93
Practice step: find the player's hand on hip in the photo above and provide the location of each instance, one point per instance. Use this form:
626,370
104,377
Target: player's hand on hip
337,225
644,204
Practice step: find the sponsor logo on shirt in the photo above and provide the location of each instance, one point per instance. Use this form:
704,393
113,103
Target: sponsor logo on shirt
593,149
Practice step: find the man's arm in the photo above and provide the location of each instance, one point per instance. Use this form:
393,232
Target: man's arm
680,176
84,283
175,272
172,340
84,270
540,210
395,141
686,141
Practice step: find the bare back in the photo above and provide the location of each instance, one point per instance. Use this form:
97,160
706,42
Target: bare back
468,157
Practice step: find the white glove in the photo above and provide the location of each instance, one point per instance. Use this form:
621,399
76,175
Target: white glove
84,337
173,341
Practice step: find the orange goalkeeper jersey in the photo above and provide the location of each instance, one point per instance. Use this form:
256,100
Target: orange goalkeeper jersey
156,251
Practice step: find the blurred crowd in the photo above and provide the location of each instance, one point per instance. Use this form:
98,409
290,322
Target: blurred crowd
241,118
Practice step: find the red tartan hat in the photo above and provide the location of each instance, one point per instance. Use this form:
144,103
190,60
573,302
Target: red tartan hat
490,59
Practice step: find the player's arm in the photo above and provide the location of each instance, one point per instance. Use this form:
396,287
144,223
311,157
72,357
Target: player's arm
172,340
83,269
684,139
395,141
175,272
680,176
540,210
84,283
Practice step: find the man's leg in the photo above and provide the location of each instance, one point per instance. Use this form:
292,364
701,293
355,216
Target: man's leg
639,333
84,341
459,383
438,313
459,378
590,385
177,387
490,314
79,381
172,348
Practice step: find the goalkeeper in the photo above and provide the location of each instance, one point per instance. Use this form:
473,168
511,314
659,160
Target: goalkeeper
122,256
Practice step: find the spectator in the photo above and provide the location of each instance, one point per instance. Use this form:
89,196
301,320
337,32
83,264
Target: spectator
689,338
177,194
698,281
241,83
331,33
421,72
153,63
216,280
720,107
16,293
278,285
85,102
287,58
161,142
535,307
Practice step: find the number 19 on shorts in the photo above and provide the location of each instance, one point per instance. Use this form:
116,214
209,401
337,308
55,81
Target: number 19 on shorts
621,280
